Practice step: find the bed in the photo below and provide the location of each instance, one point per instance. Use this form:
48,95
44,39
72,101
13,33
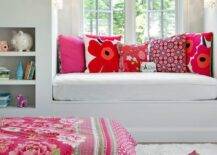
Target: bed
134,87
64,136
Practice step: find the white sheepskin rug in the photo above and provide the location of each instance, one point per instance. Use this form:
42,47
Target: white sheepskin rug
177,149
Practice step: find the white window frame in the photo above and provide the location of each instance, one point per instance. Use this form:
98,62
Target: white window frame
98,11
130,22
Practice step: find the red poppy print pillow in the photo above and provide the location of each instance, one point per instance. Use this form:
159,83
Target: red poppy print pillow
199,53
131,57
169,54
101,55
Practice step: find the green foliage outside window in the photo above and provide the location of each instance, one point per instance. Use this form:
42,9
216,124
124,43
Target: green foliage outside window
152,19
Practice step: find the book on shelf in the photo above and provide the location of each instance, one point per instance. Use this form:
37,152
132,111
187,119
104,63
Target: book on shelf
30,70
4,73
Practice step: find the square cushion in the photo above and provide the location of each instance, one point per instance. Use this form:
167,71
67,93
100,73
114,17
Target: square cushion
169,54
101,53
131,57
134,87
199,53
71,54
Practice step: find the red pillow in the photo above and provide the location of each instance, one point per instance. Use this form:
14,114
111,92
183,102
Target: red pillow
199,53
131,57
169,54
71,54
101,54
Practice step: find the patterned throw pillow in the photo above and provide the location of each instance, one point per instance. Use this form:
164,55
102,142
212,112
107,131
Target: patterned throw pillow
169,54
101,54
199,53
132,56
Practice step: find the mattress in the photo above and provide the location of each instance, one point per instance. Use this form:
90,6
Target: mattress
64,136
134,87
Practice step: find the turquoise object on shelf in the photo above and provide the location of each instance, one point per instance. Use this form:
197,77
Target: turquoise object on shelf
5,99
20,72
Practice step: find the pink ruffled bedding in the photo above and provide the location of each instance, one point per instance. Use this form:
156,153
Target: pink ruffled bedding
64,136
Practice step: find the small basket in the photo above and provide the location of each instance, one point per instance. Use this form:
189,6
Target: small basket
5,99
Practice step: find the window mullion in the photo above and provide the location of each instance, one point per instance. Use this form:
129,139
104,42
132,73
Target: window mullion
148,19
179,16
162,19
111,17
91,25
97,17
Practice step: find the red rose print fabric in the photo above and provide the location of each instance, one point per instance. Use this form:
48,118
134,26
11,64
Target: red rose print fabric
131,57
169,54
101,55
64,136
199,53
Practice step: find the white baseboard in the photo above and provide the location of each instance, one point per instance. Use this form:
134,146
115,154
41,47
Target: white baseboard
177,135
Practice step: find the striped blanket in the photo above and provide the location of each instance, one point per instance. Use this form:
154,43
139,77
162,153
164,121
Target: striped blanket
64,136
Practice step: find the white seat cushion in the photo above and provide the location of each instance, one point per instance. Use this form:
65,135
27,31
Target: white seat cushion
134,87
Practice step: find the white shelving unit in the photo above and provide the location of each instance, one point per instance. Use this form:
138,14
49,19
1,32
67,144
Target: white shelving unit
10,60
41,22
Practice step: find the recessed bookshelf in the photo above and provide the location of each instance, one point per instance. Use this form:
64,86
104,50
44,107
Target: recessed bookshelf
7,33
26,90
10,60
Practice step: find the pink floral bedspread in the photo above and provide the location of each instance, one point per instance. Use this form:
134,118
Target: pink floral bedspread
64,136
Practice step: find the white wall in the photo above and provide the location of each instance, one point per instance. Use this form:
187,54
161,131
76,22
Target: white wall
70,17
210,24
65,18
193,15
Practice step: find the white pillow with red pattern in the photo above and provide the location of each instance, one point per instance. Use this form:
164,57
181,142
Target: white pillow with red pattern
101,53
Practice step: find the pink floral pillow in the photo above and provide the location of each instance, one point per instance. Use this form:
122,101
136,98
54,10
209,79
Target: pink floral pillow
169,54
71,54
199,53
131,57
101,54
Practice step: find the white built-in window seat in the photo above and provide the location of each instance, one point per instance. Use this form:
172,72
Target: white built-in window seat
134,87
